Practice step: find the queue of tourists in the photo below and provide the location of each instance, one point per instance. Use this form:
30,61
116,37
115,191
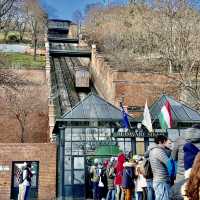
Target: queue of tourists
166,171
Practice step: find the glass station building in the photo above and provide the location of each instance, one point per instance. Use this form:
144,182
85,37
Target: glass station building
92,129
85,133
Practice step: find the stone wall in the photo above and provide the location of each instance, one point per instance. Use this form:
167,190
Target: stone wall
44,153
135,87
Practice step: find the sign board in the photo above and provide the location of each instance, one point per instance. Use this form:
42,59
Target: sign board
4,168
132,133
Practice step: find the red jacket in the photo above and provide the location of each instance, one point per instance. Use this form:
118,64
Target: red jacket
119,169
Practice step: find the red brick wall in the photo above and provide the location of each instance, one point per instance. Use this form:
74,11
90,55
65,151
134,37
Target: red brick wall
135,87
37,122
44,153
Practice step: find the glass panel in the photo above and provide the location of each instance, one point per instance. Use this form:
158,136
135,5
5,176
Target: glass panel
104,134
140,148
121,146
128,139
78,162
173,134
127,147
78,148
92,134
67,163
67,178
120,139
79,177
67,134
67,148
78,134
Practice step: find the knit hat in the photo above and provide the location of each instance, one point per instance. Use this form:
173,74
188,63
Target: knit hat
190,152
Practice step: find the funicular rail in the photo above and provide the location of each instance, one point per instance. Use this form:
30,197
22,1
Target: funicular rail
64,100
69,82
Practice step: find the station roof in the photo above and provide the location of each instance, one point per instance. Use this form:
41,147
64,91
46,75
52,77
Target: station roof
94,107
180,111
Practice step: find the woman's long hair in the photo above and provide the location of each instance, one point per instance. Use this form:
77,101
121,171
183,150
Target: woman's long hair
193,185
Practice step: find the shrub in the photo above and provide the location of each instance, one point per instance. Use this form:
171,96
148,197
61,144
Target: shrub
13,38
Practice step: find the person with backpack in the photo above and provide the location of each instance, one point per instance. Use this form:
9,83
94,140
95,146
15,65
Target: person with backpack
148,174
190,135
161,165
128,183
27,175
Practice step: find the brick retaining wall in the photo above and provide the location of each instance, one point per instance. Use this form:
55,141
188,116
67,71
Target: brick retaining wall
44,153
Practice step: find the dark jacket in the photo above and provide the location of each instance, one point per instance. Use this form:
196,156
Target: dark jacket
189,135
128,176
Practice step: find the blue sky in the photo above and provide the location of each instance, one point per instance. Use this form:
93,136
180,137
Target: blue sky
64,9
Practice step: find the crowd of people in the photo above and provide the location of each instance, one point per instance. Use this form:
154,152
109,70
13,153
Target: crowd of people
167,171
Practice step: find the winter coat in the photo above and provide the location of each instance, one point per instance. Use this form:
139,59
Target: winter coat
94,175
119,169
128,176
189,135
110,177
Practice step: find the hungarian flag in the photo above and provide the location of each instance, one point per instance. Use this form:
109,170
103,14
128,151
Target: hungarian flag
165,116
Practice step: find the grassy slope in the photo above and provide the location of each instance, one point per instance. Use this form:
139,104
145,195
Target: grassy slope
22,61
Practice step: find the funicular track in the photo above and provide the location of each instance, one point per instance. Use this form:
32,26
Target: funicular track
62,93
69,82
63,71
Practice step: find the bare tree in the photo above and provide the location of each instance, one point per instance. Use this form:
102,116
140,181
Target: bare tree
176,32
37,20
162,36
77,17
23,102
5,6
8,21
21,19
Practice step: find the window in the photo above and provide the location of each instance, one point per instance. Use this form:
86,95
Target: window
79,177
78,134
124,144
67,134
67,178
140,146
67,163
16,168
78,162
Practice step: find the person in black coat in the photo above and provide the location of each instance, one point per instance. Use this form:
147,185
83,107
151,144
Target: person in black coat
128,184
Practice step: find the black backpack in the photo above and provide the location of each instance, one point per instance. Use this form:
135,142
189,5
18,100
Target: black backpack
148,174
